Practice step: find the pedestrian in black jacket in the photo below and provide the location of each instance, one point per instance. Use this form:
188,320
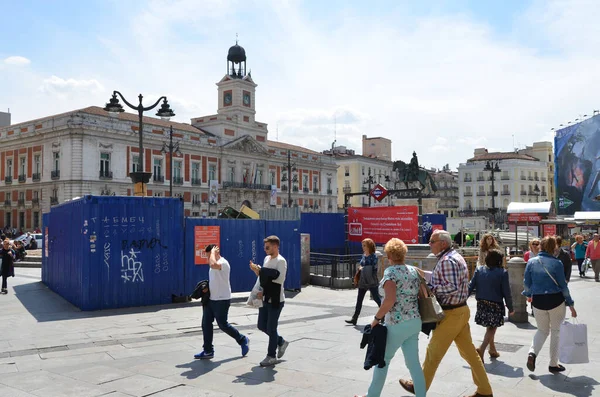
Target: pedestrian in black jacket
564,256
8,257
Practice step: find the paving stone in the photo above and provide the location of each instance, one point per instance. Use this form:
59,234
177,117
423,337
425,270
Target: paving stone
140,385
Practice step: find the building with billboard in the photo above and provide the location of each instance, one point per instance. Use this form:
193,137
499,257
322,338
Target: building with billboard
577,160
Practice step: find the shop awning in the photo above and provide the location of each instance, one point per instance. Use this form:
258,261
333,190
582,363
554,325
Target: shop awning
587,216
530,208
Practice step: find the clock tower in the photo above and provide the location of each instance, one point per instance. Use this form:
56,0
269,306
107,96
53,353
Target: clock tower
236,88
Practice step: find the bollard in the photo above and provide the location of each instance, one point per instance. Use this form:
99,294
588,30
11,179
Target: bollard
305,258
516,273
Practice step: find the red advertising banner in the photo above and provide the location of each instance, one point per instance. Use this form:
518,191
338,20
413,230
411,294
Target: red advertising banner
549,230
203,236
524,218
384,223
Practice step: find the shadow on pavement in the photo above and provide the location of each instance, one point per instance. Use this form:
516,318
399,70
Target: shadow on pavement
201,367
579,386
500,368
257,375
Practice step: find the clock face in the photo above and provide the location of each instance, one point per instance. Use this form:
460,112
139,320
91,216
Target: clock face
247,99
227,98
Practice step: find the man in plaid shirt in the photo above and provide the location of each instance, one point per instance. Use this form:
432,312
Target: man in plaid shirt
450,284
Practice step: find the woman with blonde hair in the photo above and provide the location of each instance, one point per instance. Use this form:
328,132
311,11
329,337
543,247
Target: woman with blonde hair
368,280
400,308
534,249
487,243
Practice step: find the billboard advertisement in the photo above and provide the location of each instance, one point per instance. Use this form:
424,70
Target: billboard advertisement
577,161
383,223
431,223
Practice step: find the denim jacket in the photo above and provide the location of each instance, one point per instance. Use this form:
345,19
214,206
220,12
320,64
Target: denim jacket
491,285
538,282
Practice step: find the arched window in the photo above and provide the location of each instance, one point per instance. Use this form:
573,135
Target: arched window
468,205
480,205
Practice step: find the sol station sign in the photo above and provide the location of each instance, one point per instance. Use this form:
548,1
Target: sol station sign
379,192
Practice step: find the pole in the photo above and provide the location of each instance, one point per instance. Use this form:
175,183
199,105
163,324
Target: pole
141,126
289,169
171,161
420,202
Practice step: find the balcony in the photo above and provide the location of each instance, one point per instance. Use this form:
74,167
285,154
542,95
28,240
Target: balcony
536,178
196,182
492,194
196,203
505,193
54,175
305,190
177,180
530,178
53,200
22,178
315,190
480,179
523,193
347,189
295,190
329,191
544,194
36,177
505,177
158,178
468,180
7,203
523,178
106,174
284,188
346,174
468,194
35,201
251,186
481,193
543,179
21,202
8,180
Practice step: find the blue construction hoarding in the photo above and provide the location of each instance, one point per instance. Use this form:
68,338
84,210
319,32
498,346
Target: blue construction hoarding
107,252
327,232
431,222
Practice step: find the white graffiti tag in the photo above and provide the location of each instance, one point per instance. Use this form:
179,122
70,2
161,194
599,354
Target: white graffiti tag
131,268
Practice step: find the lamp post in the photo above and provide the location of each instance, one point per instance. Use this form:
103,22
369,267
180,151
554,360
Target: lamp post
370,180
171,148
493,168
290,167
113,107
536,192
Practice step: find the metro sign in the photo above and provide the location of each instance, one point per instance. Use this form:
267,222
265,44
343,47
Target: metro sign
378,192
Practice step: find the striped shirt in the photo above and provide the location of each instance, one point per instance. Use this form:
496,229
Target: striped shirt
450,278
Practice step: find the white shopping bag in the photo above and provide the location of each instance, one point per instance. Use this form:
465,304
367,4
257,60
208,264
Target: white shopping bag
253,299
573,345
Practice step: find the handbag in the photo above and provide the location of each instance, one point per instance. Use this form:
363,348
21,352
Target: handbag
356,278
429,308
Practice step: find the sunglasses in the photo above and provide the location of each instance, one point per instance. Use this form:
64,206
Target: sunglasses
535,243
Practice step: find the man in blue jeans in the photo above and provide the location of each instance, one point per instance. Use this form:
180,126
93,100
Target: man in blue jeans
271,278
218,305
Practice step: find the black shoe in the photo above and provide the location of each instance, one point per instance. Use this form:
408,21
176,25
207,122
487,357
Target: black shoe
556,369
351,321
531,362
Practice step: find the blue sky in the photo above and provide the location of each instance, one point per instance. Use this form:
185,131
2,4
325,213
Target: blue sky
439,77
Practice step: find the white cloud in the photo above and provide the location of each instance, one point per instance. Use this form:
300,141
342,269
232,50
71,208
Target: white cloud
17,61
64,87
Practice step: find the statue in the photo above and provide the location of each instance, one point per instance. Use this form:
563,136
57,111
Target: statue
413,168
412,172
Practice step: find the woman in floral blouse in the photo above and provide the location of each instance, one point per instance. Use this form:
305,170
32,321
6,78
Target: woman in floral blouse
400,288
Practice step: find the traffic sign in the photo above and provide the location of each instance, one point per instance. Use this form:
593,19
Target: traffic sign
379,192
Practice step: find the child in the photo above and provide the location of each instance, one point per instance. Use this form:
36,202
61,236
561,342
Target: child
491,285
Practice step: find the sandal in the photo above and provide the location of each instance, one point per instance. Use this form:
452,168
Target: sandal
531,362
558,368
494,354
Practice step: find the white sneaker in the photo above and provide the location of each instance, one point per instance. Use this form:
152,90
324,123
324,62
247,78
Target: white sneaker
268,362
281,349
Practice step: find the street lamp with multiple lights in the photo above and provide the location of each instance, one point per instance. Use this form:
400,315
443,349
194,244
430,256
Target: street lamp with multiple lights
370,180
290,167
113,107
171,148
493,168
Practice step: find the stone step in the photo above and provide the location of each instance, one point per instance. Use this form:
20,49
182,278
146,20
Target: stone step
28,264
37,259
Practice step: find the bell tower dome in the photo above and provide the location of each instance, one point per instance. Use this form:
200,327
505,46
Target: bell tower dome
236,88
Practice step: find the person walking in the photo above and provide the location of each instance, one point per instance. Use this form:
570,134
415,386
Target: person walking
487,243
490,283
579,246
8,257
546,288
450,284
273,299
400,307
218,305
534,249
368,278
564,257
593,252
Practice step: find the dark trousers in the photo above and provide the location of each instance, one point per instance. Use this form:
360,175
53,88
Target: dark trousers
268,319
4,278
218,310
361,296
580,265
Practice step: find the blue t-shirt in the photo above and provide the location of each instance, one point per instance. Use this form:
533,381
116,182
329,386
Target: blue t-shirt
580,250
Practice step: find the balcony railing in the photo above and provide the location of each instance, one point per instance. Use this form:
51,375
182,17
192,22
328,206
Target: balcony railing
315,190
242,185
55,175
347,189
295,190
530,178
35,201
284,188
468,180
36,177
21,202
106,174
329,191
346,174
492,194
480,179
158,178
505,193
481,193
22,178
536,178
177,180
544,194
53,200
7,203
523,178
543,179
196,182
196,203
305,190
505,177
8,179
523,193
467,194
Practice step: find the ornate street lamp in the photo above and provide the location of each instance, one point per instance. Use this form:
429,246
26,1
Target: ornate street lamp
493,168
113,107
171,148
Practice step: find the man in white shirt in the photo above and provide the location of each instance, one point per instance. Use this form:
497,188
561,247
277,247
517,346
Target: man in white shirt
273,299
218,305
